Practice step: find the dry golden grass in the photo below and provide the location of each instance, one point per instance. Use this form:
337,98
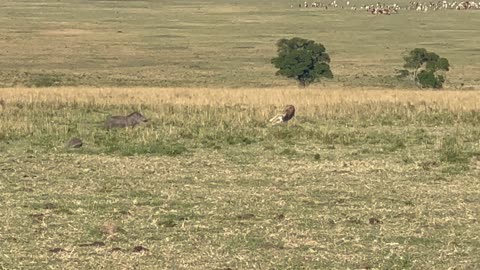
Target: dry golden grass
455,101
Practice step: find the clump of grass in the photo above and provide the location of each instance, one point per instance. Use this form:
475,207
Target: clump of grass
167,223
110,230
232,139
456,168
44,80
153,148
452,150
343,137
396,143
282,133
421,136
407,159
288,152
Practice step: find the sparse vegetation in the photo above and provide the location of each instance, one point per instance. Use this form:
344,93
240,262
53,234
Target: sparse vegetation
44,80
203,182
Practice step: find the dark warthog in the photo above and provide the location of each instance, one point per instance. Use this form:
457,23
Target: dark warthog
130,120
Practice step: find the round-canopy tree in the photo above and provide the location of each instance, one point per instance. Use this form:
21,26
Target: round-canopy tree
426,66
303,60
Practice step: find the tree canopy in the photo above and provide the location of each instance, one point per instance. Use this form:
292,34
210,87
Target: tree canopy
425,66
303,60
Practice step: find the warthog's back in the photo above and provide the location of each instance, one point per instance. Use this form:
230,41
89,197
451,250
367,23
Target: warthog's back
131,120
116,122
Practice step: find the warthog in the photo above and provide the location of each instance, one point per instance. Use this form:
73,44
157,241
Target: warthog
130,120
74,143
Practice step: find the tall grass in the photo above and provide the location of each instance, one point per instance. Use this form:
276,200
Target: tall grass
185,118
311,100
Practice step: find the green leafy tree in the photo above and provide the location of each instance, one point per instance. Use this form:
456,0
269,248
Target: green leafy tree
428,79
303,60
426,67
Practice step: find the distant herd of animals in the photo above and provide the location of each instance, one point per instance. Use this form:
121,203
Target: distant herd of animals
387,9
136,118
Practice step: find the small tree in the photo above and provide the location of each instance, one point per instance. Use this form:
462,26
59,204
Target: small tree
301,59
428,79
426,66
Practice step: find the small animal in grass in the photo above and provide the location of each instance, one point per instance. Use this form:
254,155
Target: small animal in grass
74,143
130,120
288,113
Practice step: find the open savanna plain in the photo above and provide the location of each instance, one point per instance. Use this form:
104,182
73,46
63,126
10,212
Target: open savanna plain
359,179
220,44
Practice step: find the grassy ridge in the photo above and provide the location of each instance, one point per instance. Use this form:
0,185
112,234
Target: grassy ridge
218,44
385,180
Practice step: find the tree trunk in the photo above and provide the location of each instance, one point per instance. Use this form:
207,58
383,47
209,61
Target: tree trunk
415,79
302,83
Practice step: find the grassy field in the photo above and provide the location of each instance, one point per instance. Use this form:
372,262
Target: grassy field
218,44
368,174
374,179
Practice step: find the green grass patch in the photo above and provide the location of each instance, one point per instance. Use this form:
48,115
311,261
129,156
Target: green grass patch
452,150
